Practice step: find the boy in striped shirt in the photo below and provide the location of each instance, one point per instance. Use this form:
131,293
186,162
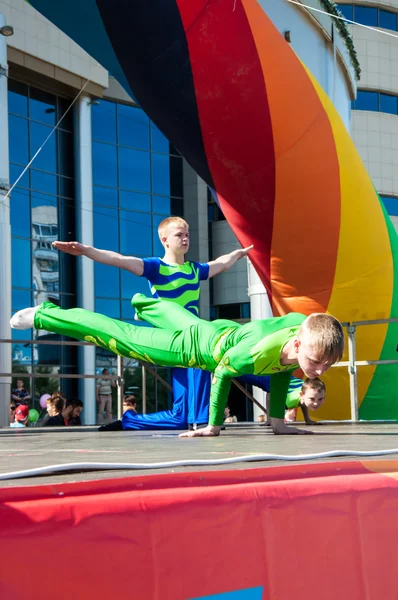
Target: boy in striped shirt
176,280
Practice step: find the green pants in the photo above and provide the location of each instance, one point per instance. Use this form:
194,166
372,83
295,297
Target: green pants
192,346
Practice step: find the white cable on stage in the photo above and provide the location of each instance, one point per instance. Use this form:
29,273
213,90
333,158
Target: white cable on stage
97,466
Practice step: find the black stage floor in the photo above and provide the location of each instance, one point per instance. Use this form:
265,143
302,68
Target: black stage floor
39,447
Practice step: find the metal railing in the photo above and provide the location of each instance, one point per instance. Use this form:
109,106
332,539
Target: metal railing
352,364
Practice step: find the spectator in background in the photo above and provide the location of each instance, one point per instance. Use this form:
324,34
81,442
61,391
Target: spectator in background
13,408
228,418
70,412
20,395
21,416
129,403
104,397
55,406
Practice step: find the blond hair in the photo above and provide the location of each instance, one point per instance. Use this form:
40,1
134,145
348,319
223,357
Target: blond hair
165,224
325,334
313,384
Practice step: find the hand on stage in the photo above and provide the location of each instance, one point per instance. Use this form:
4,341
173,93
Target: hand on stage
74,248
279,428
209,431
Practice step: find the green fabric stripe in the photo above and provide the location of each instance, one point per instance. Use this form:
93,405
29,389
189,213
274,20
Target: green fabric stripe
380,401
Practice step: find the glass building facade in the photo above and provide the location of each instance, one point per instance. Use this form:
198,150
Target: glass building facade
42,209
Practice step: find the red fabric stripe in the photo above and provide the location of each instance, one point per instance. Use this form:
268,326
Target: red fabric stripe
230,95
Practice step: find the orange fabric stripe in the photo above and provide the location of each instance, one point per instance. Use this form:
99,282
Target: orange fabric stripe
307,198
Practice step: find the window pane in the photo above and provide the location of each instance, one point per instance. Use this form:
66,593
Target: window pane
367,101
366,15
20,263
160,143
176,181
161,174
20,213
104,164
158,249
17,98
177,207
21,299
134,201
65,153
388,104
135,233
134,170
387,19
15,172
110,308
18,140
44,182
133,127
245,310
106,280
346,10
133,285
42,106
106,229
67,121
47,157
66,187
161,205
391,205
45,265
103,120
105,196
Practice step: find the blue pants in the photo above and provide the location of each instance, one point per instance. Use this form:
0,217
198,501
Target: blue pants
191,390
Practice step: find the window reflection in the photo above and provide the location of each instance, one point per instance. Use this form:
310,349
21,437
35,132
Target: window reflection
17,98
42,107
20,262
105,196
106,280
104,164
133,127
110,308
44,182
159,142
18,140
106,230
135,233
132,285
161,205
103,119
46,160
45,259
158,249
20,213
15,172
161,174
134,201
134,170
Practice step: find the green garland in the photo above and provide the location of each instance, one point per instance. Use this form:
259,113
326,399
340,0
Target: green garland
331,8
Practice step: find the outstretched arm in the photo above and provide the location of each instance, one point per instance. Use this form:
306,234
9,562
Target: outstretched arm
106,257
226,261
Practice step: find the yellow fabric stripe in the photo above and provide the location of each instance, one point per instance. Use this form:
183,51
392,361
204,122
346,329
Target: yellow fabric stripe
363,284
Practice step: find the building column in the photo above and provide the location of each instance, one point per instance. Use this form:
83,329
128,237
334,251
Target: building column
85,235
5,239
260,308
195,213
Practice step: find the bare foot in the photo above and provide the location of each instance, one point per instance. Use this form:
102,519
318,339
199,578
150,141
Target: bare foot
209,431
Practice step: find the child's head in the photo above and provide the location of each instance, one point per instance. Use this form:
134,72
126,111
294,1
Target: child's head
319,344
129,402
55,404
174,235
312,393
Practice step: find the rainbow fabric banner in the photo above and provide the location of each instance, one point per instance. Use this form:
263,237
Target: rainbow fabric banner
228,91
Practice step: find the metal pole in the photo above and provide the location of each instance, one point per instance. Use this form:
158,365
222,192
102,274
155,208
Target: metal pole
143,390
120,387
85,266
352,371
5,238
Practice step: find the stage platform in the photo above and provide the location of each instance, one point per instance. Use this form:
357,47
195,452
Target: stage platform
264,530
39,447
